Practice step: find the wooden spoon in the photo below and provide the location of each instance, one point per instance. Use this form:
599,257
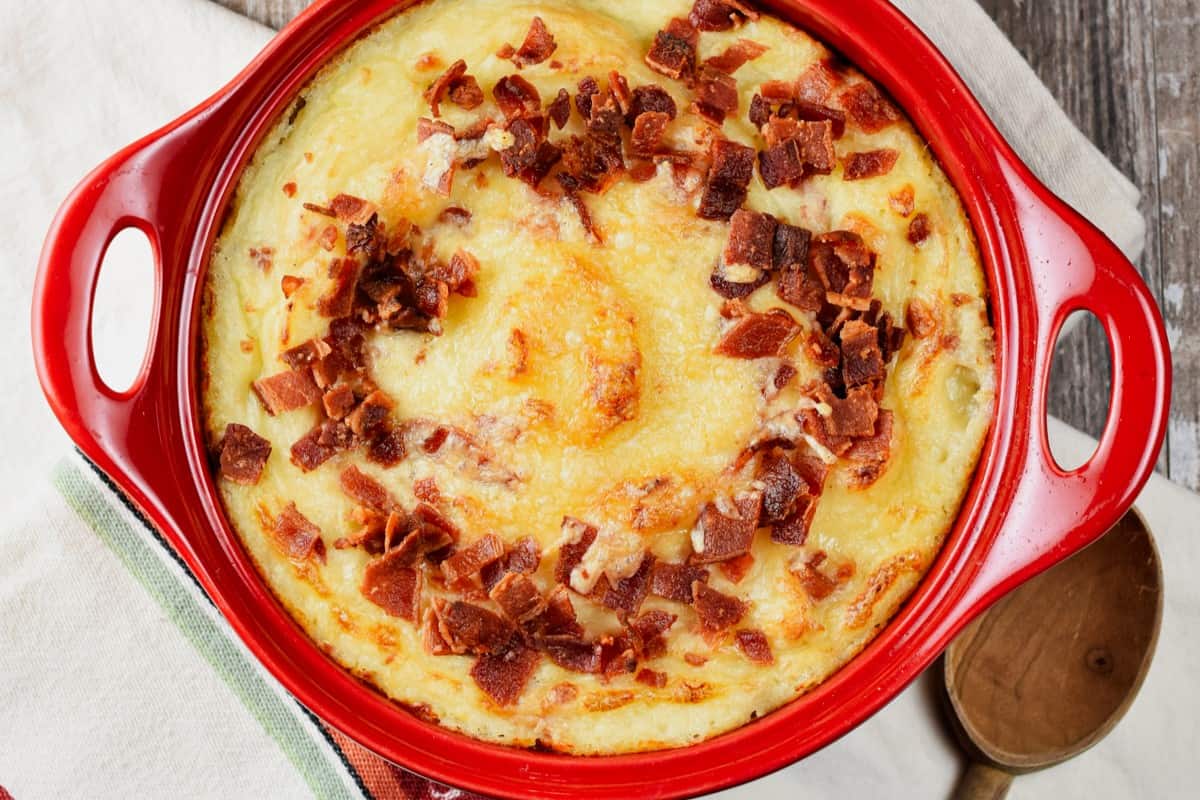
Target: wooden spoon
1048,671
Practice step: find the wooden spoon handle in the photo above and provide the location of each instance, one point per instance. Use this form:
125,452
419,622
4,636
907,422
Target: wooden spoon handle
983,782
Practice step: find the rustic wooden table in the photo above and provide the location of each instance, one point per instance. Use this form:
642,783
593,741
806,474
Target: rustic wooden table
1128,73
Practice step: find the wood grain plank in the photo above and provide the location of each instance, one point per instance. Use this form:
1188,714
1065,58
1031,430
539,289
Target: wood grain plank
1177,91
1096,56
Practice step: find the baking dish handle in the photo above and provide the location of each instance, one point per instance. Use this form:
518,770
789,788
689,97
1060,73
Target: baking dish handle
155,185
1074,267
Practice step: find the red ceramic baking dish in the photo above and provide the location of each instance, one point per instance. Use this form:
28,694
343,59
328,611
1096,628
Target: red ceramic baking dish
1022,514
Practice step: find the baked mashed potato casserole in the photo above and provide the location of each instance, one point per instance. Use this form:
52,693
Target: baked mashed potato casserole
595,375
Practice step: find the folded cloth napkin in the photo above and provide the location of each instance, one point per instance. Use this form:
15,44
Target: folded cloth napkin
117,676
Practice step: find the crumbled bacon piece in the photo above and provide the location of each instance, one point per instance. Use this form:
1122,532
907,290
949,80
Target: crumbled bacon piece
503,675
648,632
618,87
716,95
814,112
370,415
338,400
755,646
321,444
517,97
795,150
466,93
421,541
719,15
854,416
617,656
305,354
651,677
717,611
518,598
469,561
782,484
538,45
869,108
604,121
287,391
751,241
871,164
572,654
558,620
367,238
780,165
758,335
869,457
844,264
467,627
387,448
365,490
674,50
649,98
393,585
794,528
628,593
797,285
778,91
459,275
289,284
728,179
522,558
529,158
760,111
648,130
588,88
349,208
296,536
674,581
559,110
735,56
570,553
862,359
919,229
720,536
816,583
432,639
339,300
790,246
433,95
242,454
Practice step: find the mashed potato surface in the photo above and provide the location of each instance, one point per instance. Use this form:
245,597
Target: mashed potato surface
578,375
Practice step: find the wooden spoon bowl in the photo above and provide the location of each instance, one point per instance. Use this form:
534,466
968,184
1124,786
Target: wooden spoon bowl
1051,668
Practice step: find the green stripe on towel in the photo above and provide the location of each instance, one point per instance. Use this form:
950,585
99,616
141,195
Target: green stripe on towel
206,634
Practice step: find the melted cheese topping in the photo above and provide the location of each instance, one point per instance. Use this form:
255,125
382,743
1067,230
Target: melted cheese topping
589,371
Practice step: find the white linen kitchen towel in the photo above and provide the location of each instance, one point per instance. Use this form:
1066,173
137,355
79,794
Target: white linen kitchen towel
117,679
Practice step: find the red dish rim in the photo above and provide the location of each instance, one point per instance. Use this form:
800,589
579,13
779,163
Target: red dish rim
1022,514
